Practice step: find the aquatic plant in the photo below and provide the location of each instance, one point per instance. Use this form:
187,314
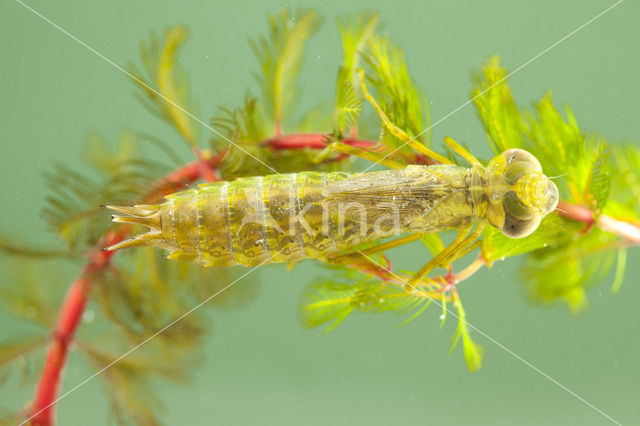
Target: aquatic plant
141,299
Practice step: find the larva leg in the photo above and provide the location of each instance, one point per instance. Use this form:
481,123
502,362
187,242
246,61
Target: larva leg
345,258
396,131
410,286
464,252
464,246
461,151
358,152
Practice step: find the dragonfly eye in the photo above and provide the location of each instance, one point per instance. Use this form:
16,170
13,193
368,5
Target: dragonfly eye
519,219
517,155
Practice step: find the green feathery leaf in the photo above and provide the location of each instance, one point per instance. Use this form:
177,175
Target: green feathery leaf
621,266
13,349
12,247
129,382
625,184
552,229
281,56
598,180
165,89
496,108
405,104
472,351
73,210
563,149
25,296
148,291
348,103
565,271
327,302
331,302
355,35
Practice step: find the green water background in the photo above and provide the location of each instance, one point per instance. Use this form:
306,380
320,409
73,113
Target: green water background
261,367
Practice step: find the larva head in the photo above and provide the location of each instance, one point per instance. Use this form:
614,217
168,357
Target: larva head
519,194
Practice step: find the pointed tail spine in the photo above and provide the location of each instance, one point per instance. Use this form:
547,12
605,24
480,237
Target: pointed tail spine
141,214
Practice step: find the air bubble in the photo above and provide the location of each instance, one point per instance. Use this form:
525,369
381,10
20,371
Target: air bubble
88,316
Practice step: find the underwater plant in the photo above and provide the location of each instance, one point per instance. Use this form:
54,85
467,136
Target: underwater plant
147,304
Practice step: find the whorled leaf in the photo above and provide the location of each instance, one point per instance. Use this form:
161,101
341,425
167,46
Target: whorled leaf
17,356
355,34
14,246
552,229
472,352
496,107
73,209
12,349
564,272
598,180
146,292
348,104
107,160
23,293
280,55
625,183
244,124
555,139
247,127
621,267
581,159
402,100
331,302
327,302
165,88
130,382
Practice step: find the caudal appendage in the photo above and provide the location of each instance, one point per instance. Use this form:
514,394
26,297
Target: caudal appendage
141,214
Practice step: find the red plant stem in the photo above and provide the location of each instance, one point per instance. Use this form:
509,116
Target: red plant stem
384,273
70,315
205,171
312,140
626,230
76,299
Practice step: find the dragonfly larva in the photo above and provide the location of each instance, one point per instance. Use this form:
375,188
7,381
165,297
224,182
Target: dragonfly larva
290,217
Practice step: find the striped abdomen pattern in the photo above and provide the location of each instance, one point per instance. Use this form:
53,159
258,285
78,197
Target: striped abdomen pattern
255,220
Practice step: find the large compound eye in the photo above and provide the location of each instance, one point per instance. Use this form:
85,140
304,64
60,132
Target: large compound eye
519,228
517,154
519,220
519,163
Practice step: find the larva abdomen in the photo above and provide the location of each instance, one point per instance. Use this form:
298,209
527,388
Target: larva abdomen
249,221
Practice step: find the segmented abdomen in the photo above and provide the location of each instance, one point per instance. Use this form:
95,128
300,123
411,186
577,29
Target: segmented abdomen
249,221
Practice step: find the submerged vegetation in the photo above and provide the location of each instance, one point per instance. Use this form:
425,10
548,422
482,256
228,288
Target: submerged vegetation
136,294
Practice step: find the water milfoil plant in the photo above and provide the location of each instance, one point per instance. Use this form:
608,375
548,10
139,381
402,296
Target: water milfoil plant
140,298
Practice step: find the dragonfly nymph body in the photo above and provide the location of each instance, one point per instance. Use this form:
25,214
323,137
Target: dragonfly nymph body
290,217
